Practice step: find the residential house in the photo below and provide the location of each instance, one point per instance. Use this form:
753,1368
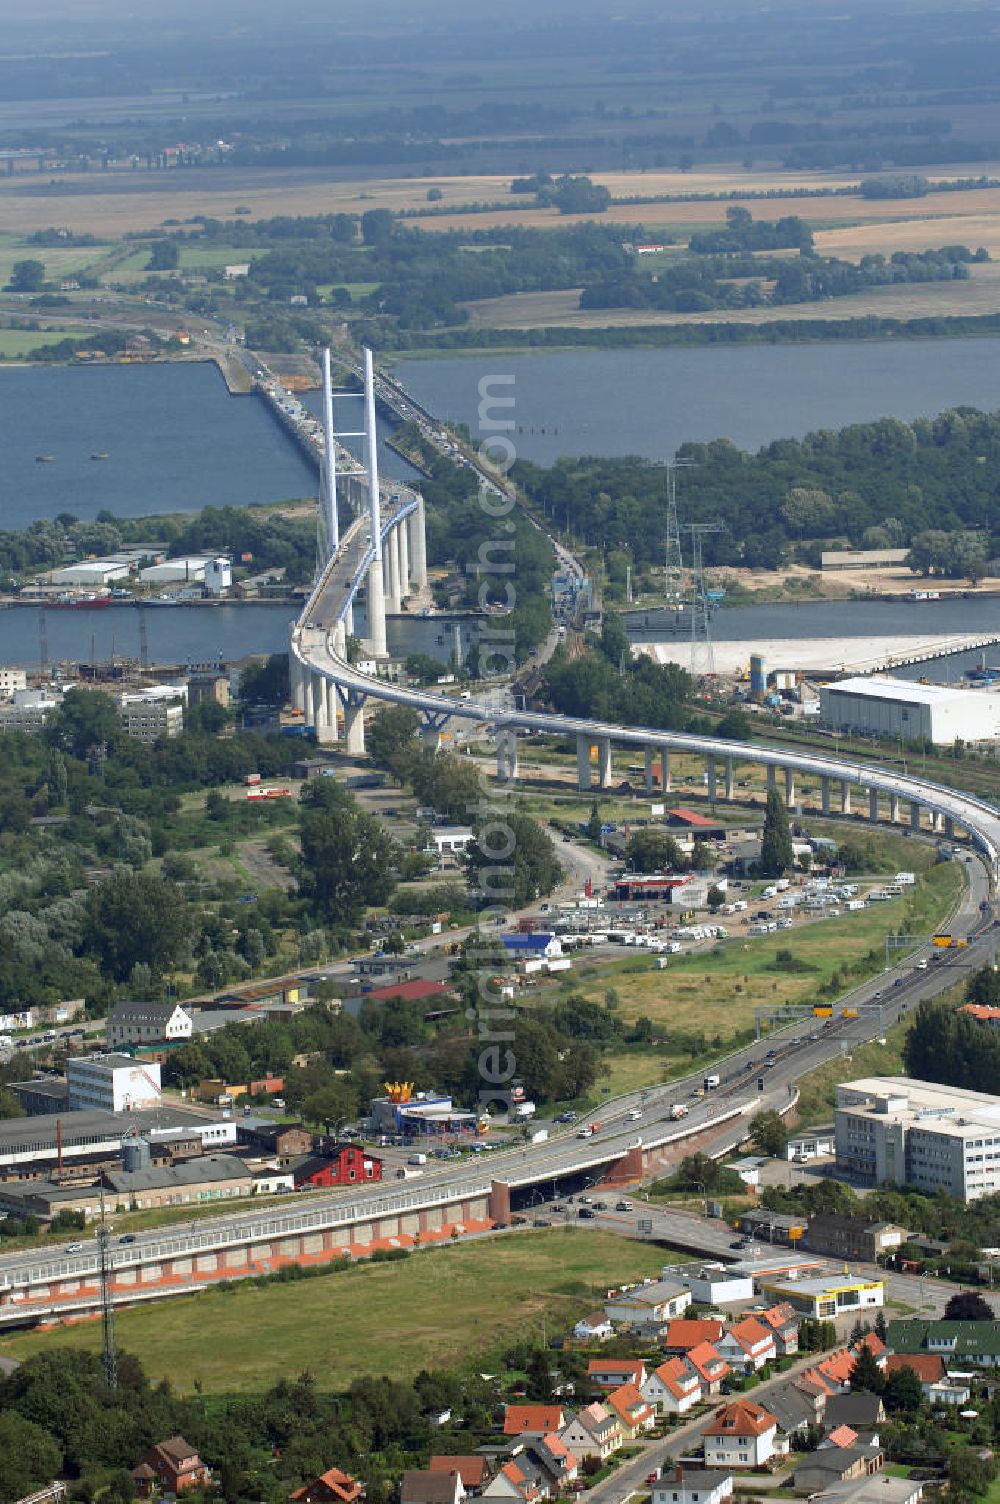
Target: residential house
709,1365
593,1432
556,1461
519,1481
610,1373
741,1435
748,1345
173,1466
796,1406
692,1486
147,1023
649,1309
939,1388
331,1487
673,1388
876,1490
424,1486
473,1470
634,1415
783,1322
828,1465
532,1420
342,1164
593,1328
682,1335
975,1344
864,1413
852,1237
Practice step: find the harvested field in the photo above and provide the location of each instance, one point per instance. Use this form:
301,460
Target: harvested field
923,234
139,200
980,295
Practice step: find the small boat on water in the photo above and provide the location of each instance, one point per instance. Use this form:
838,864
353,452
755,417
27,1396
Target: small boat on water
99,454
162,600
44,459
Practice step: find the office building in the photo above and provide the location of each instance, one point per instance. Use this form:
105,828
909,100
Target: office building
112,1083
895,1129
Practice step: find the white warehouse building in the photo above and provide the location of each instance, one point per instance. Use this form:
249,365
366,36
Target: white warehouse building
916,712
112,1083
908,1132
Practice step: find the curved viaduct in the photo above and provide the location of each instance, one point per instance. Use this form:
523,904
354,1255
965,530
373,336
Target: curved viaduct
382,554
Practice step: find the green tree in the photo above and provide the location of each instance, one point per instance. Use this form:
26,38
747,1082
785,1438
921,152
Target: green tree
593,826
866,1375
968,1305
27,276
903,1392
776,842
347,857
391,737
512,861
164,256
769,1134
651,850
31,1457
85,719
137,916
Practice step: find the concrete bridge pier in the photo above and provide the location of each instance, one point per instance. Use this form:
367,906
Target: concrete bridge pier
403,539
418,546
665,780
507,767
604,762
728,780
845,797
914,815
394,594
348,619
873,805
296,683
937,822
583,763
894,808
824,794
650,770
317,704
789,787
376,610
710,773
949,827
354,720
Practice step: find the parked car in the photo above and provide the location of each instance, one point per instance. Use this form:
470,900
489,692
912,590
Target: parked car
587,1211
623,1206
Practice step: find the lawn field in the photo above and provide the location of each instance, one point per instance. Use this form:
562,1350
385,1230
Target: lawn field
716,991
15,343
445,1306
59,261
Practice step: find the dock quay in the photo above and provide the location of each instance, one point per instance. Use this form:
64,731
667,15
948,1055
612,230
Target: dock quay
826,657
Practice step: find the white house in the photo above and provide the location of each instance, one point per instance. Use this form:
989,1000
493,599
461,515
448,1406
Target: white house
740,1435
593,1328
593,1432
648,1308
147,1023
692,1486
748,1345
673,1388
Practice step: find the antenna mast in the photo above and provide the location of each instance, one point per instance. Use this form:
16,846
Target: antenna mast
107,1302
673,563
702,650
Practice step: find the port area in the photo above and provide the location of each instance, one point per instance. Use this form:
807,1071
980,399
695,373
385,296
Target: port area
824,656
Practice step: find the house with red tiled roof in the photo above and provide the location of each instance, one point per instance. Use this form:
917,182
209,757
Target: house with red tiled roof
517,1481
473,1470
673,1388
836,1369
634,1414
331,1487
710,1366
783,1322
741,1435
928,1367
683,1334
593,1432
873,1342
556,1461
173,1465
611,1373
532,1420
841,1436
748,1345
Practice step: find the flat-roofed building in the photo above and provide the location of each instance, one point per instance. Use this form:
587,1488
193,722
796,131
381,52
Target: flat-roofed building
885,706
112,1083
895,1128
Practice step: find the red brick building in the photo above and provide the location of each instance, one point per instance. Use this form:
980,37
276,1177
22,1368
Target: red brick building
172,1465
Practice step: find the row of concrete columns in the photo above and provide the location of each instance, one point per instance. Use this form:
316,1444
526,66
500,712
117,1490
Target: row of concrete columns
593,765
326,706
404,561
